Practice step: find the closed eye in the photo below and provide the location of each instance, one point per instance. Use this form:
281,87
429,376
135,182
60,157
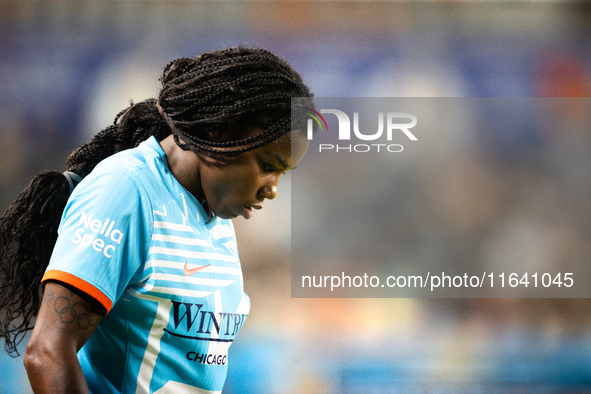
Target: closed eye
268,167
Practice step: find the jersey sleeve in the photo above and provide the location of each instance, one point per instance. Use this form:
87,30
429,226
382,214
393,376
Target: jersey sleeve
104,235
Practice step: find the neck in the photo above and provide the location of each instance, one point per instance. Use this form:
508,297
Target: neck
184,165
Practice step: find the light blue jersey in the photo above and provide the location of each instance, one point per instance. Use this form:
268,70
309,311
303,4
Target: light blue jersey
133,238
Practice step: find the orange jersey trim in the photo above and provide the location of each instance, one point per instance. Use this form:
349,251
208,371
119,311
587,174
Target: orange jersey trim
80,285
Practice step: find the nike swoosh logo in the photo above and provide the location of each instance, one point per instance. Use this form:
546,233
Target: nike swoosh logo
189,272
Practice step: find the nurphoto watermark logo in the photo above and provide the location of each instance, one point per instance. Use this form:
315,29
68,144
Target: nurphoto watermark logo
396,122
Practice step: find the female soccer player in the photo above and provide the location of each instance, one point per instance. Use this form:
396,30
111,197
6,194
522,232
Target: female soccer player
144,292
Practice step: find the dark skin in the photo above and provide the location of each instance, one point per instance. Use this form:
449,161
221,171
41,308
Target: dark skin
233,187
66,320
238,185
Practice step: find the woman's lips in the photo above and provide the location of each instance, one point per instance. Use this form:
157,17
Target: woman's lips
248,210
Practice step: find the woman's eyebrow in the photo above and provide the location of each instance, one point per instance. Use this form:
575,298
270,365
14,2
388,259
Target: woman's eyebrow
280,159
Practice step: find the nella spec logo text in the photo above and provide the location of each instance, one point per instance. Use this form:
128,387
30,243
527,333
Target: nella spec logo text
396,122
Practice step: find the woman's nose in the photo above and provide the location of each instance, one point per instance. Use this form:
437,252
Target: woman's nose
270,189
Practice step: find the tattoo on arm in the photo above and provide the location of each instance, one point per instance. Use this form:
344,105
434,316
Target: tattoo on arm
77,312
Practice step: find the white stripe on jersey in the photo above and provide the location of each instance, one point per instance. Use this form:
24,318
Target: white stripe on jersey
155,212
232,246
172,291
218,347
173,226
223,231
244,305
181,240
180,266
189,280
185,214
193,255
153,349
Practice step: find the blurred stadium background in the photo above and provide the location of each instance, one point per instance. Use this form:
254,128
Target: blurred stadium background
67,67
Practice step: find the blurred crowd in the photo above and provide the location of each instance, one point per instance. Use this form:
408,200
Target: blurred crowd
517,196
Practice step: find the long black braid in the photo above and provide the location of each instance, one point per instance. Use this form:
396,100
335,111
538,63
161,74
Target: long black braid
207,103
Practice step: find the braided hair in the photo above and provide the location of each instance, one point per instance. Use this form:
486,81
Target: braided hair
207,104
210,95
